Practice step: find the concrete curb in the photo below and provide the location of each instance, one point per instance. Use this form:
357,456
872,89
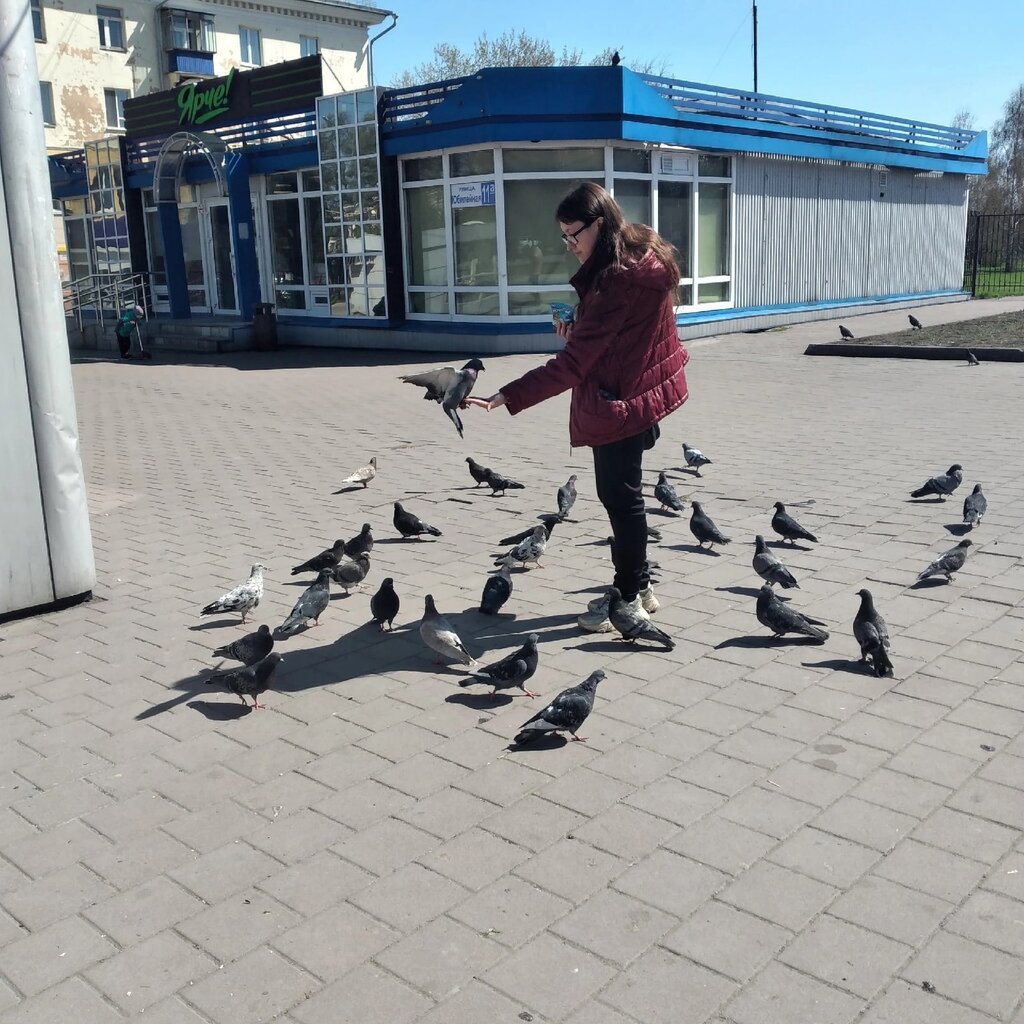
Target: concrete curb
993,355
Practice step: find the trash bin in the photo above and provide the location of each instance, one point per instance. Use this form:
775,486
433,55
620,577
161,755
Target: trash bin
264,327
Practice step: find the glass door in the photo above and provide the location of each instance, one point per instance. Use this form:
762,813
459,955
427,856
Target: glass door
192,249
220,275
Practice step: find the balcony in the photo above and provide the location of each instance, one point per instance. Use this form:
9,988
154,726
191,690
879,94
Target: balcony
190,63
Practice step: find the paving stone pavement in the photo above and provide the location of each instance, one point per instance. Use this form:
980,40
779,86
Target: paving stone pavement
756,832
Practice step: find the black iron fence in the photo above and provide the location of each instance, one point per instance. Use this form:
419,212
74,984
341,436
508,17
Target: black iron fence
994,256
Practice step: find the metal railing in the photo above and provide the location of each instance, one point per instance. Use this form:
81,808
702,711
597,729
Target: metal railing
95,297
994,255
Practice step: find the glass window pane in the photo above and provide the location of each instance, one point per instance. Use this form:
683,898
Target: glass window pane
366,105
367,137
348,174
329,176
685,295
713,166
339,301
377,301
285,241
635,199
581,159
155,242
428,302
335,270
638,160
290,298
426,244
310,181
479,161
350,208
316,260
717,291
422,169
346,109
527,303
333,238
332,209
353,238
346,142
713,230
373,237
327,112
370,206
476,245
282,184
368,172
328,145
477,303
674,219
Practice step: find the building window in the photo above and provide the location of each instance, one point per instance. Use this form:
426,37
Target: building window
111,26
308,46
113,100
249,45
186,30
46,94
38,28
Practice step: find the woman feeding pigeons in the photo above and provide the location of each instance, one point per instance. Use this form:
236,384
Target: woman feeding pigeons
624,363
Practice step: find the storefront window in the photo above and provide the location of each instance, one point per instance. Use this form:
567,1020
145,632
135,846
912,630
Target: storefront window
637,160
465,165
713,231
316,260
634,196
285,241
534,160
427,248
675,210
534,252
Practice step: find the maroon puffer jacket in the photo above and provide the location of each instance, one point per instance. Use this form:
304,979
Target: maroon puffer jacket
623,344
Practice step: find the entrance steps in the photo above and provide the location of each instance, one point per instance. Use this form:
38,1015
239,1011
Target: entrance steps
197,334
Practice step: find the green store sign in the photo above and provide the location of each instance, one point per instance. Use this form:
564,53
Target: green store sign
197,104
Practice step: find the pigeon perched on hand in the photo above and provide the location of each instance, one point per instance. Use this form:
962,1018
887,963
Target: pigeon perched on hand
361,543
871,632
787,527
439,635
497,590
770,568
499,482
476,471
550,520
512,671
250,681
566,497
248,649
695,458
702,526
327,559
311,605
528,550
363,475
409,525
948,563
845,332
351,574
243,598
780,618
972,359
634,624
384,604
666,494
943,484
915,324
566,713
448,387
975,507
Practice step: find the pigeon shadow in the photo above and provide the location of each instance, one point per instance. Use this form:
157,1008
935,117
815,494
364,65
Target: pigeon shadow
696,549
347,490
218,624
480,701
958,529
841,665
664,513
742,591
400,540
547,741
926,501
190,687
762,642
930,581
619,645
787,545
227,712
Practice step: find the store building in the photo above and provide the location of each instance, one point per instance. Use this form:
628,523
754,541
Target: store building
423,218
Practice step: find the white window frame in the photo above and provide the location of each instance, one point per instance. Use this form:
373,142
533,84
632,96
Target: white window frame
118,97
246,36
111,16
304,47
46,102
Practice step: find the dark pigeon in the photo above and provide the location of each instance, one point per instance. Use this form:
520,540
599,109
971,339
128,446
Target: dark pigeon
871,632
476,471
943,484
948,563
616,59
975,507
972,359
566,497
497,590
845,332
770,568
351,574
666,494
311,604
780,618
448,387
248,649
549,520
702,526
250,681
566,713
631,625
325,560
512,671
787,527
915,324
409,525
498,482
361,543
384,604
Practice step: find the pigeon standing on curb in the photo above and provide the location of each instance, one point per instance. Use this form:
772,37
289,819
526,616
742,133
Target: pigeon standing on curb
632,625
566,713
943,484
702,526
780,618
915,324
787,527
409,525
361,543
512,671
975,507
250,681
666,494
248,649
440,637
846,333
499,482
351,574
695,458
497,590
566,497
948,563
243,598
476,471
363,475
325,560
770,568
448,387
384,604
311,605
871,632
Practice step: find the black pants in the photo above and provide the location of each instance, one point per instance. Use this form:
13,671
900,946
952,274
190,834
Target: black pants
124,344
618,468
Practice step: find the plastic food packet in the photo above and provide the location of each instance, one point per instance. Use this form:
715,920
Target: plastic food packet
562,311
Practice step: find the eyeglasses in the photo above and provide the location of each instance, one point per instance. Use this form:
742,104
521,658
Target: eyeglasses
573,237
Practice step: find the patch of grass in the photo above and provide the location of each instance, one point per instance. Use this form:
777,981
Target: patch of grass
1005,330
995,284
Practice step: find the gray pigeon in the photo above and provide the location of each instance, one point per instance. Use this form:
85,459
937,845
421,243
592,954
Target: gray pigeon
512,671
845,332
448,387
943,484
250,681
975,507
550,520
384,604
361,543
566,713
497,590
871,632
243,598
409,525
439,635
351,574
632,625
972,359
666,494
566,497
915,324
311,605
528,550
780,618
499,482
325,560
787,527
476,471
363,475
948,563
770,568
248,649
695,458
702,526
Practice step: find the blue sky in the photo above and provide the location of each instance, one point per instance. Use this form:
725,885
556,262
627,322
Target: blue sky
907,58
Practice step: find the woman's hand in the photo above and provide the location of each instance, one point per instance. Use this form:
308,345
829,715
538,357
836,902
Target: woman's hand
563,329
487,404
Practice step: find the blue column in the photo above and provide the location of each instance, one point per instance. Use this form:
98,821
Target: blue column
243,235
174,260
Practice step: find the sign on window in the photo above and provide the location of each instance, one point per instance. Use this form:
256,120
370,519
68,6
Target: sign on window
473,193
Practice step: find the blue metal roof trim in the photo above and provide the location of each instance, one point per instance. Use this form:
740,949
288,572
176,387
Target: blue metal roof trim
530,104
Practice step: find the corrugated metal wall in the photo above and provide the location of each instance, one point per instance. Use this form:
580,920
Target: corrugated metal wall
818,231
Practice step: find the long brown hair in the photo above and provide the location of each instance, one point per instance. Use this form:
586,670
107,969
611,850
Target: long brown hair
620,243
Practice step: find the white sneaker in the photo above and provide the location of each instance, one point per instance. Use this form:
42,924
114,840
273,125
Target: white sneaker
637,607
649,601
595,619
598,603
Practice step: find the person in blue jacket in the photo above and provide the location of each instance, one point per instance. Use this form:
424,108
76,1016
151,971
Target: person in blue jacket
125,325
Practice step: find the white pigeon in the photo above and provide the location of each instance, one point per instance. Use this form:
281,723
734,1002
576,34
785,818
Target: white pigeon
364,474
243,598
440,637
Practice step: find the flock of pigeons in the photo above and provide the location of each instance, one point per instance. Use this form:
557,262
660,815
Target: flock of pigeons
915,325
347,564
